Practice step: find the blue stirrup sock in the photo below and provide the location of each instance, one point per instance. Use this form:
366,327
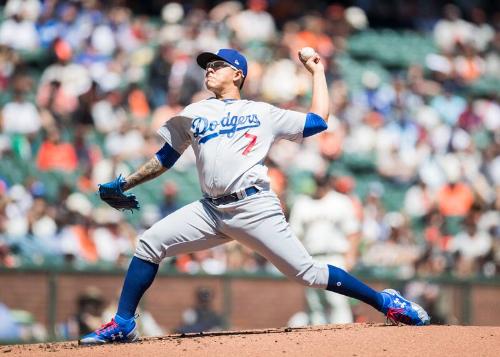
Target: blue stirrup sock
140,276
339,281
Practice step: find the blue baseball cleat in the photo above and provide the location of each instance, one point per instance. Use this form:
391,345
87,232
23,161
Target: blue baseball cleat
118,330
399,310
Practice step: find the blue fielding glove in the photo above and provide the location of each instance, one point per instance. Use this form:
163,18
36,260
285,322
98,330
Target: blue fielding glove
113,195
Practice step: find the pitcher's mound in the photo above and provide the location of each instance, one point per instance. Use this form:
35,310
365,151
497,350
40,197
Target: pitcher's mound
331,340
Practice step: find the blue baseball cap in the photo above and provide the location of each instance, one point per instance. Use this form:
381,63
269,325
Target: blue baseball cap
228,55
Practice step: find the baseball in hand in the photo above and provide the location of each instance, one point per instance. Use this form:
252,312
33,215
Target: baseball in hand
306,53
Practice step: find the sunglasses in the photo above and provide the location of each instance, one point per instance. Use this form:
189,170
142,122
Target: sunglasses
215,65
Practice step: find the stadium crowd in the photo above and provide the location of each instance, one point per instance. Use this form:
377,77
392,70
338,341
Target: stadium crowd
86,84
409,167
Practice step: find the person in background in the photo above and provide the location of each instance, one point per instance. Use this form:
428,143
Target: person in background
201,317
329,229
170,202
9,329
90,307
55,154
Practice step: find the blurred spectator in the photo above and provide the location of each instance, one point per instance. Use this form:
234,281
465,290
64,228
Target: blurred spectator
107,169
70,27
346,185
30,9
126,143
419,200
54,154
74,78
281,81
41,220
241,258
110,238
159,76
419,140
18,204
7,259
430,297
52,97
469,120
329,229
312,34
398,252
18,30
331,141
170,202
455,199
20,116
435,233
108,113
167,110
9,329
254,23
279,184
77,244
373,228
492,57
471,243
137,102
469,66
83,112
448,105
8,62
452,30
90,305
482,32
201,317
375,95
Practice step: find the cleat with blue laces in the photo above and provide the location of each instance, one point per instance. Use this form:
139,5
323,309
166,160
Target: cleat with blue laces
401,311
118,330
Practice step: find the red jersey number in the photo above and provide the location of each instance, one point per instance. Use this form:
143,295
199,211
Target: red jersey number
253,139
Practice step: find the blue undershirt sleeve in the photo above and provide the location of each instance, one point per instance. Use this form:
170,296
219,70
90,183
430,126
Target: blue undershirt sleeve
314,124
167,156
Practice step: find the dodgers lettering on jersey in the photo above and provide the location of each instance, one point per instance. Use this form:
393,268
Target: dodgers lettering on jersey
230,140
228,126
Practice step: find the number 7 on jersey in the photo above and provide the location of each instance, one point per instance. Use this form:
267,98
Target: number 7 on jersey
253,139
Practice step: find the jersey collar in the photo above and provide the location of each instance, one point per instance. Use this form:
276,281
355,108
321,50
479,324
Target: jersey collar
225,100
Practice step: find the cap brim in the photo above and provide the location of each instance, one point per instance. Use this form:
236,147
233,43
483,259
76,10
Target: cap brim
206,57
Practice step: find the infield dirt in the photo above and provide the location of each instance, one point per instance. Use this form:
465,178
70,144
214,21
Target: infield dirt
331,340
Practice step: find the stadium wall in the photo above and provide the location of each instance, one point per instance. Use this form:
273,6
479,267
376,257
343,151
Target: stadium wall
246,301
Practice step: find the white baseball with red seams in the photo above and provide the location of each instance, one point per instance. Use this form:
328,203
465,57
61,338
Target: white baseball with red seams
231,139
306,53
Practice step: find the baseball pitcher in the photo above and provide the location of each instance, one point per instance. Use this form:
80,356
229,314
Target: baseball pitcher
231,138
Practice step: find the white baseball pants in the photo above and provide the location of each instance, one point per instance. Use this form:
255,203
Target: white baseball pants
257,222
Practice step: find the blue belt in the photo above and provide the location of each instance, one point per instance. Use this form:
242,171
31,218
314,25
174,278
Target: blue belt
233,197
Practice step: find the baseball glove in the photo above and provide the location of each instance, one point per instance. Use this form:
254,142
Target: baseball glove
113,195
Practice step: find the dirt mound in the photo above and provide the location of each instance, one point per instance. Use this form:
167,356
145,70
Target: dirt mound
332,340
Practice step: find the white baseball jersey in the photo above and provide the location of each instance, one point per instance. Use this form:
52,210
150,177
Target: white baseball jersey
324,224
231,139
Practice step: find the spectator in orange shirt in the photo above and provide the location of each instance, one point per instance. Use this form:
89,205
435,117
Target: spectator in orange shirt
313,35
455,199
55,154
470,66
137,102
